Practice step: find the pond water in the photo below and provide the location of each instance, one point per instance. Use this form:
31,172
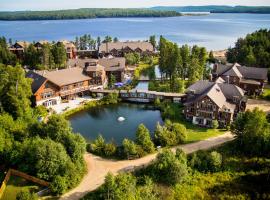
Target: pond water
214,31
103,120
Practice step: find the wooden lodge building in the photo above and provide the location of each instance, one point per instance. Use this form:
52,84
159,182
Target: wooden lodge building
119,49
50,87
18,48
207,101
250,79
100,68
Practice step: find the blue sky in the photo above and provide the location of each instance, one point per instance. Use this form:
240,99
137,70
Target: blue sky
66,4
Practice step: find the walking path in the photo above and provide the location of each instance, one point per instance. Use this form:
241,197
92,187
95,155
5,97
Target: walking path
98,167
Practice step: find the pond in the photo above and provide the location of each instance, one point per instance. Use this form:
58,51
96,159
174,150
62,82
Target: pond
104,120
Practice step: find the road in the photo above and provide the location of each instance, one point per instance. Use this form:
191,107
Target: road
98,167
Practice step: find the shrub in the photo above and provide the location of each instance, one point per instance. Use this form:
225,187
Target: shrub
143,139
215,124
26,195
58,185
205,161
169,168
129,148
109,149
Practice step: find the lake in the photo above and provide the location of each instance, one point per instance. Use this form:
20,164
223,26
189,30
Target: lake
214,31
103,120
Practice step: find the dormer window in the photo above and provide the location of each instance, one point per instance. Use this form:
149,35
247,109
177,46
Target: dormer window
235,99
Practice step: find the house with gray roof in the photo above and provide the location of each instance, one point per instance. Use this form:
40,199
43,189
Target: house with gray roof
251,79
207,101
111,66
119,49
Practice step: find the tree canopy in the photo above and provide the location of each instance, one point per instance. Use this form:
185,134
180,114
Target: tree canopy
253,50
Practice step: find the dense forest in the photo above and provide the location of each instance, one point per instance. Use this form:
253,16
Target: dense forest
85,13
253,50
216,9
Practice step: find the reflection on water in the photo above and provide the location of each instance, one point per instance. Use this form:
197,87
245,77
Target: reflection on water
103,120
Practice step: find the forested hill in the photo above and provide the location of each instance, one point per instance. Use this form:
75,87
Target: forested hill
85,13
216,9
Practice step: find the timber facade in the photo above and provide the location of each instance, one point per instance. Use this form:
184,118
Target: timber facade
250,79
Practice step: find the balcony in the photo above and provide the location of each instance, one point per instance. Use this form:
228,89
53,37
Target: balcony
74,90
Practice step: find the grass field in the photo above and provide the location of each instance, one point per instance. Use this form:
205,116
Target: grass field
17,184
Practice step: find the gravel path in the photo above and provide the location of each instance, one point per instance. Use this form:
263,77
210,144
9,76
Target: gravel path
99,167
261,104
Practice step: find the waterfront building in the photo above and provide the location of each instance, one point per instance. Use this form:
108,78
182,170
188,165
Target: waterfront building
51,87
18,48
119,49
250,79
207,101
111,66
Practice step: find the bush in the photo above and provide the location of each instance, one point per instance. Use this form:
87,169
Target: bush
129,148
206,162
110,149
143,139
26,195
111,98
58,185
170,134
215,124
169,168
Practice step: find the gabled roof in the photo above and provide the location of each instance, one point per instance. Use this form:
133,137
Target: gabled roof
242,71
113,64
253,72
144,46
42,42
233,72
220,80
65,76
219,93
22,44
38,80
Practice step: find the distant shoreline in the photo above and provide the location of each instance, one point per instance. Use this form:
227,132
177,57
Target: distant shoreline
154,12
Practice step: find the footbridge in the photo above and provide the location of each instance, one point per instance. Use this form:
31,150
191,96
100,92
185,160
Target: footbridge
143,95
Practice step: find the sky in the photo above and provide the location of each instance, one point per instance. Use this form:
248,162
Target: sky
11,5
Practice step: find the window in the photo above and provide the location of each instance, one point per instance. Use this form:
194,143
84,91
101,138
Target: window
46,95
235,99
65,87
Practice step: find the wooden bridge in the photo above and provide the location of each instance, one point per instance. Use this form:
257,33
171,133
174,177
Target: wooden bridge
143,95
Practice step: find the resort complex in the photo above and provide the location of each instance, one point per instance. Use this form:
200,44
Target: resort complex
220,99
96,118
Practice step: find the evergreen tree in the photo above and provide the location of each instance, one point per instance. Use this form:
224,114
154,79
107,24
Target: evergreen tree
59,54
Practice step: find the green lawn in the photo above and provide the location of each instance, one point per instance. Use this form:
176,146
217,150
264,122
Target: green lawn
17,184
266,94
173,111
